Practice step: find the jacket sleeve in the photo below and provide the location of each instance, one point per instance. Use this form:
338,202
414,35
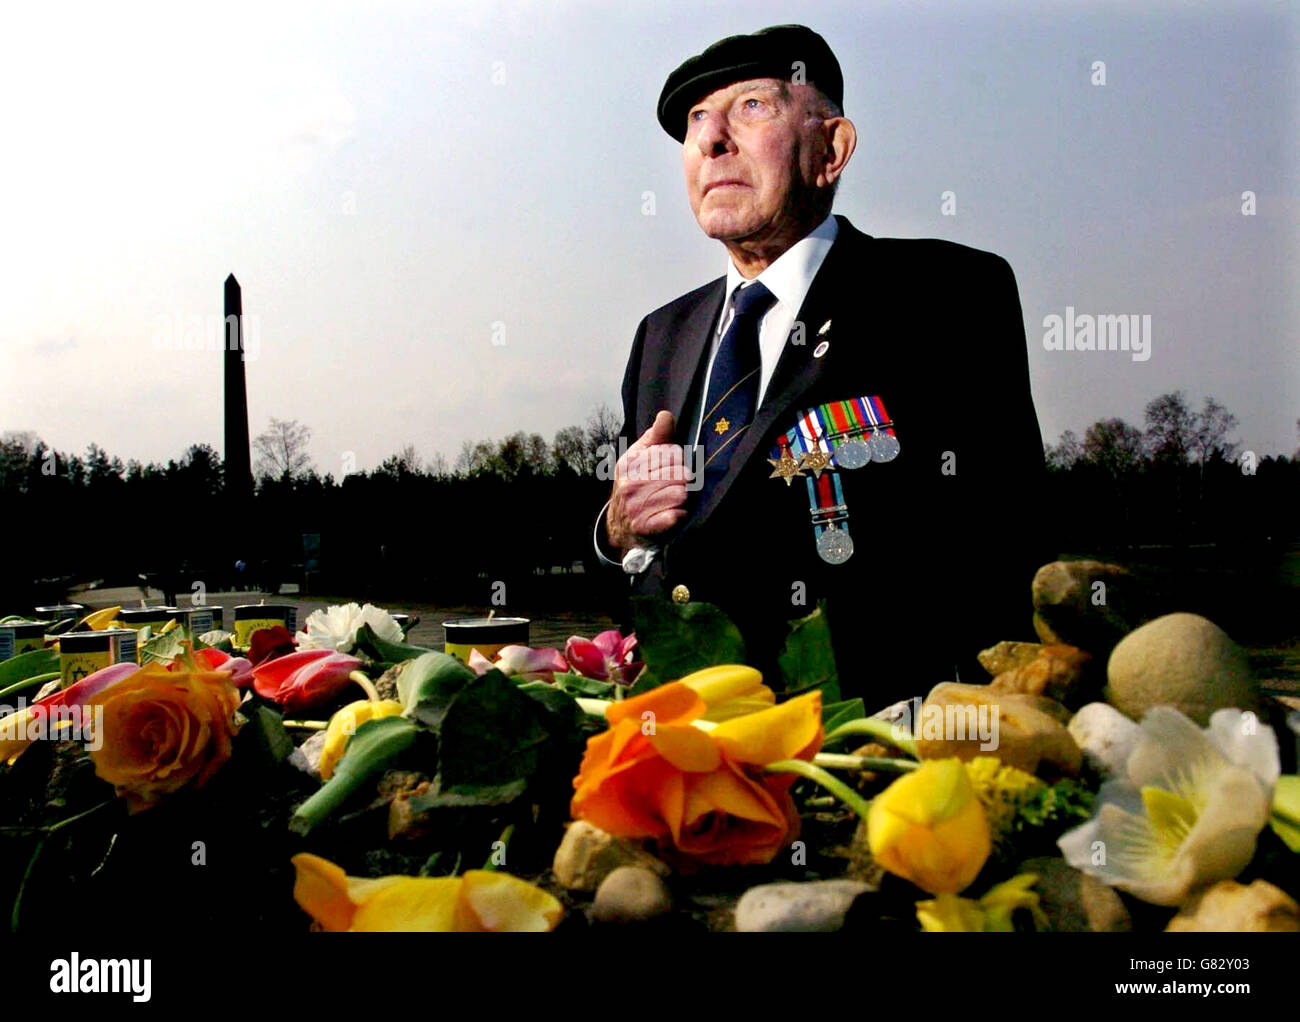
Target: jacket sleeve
999,471
606,552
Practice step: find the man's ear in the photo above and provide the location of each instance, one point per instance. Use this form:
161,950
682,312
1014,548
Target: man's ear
841,140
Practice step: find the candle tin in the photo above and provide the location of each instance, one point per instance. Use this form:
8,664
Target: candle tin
154,617
84,653
21,636
56,612
252,616
197,619
487,635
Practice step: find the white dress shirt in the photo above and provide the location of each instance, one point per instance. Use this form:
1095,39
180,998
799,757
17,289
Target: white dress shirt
788,278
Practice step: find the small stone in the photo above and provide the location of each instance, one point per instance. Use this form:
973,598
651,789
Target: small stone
1089,604
631,894
1007,656
1059,672
1180,660
818,906
386,683
306,757
1106,737
1230,907
406,820
1024,731
587,855
1075,902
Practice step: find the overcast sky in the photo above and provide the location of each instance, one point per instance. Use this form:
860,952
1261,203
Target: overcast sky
391,186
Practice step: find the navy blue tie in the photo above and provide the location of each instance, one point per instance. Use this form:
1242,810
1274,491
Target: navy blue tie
732,399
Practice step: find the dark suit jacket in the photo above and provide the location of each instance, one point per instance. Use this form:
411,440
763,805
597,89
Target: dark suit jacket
943,560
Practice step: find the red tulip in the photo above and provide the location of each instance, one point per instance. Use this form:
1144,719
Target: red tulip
267,643
604,658
240,670
305,678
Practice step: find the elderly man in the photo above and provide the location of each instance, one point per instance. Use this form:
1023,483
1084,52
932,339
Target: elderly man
839,418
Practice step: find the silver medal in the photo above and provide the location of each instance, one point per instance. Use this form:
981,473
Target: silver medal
883,447
852,453
834,546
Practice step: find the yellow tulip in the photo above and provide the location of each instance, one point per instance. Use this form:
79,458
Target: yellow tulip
99,620
929,827
479,901
730,690
343,725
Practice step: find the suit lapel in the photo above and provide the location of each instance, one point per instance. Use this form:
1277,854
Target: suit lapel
797,370
690,356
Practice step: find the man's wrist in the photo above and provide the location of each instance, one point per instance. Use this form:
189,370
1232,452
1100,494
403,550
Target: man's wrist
614,556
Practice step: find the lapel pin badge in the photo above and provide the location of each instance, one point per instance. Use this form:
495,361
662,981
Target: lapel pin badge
824,346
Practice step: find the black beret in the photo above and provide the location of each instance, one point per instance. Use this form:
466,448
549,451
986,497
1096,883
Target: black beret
768,53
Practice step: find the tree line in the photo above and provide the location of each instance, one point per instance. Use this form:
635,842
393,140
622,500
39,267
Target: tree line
508,521
1180,478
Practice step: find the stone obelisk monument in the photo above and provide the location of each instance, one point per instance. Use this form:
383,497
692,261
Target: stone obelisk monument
239,474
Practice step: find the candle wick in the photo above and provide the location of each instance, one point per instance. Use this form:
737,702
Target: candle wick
491,613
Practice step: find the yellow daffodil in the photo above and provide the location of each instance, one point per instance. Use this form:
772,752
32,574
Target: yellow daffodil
343,725
929,827
990,914
1189,810
478,901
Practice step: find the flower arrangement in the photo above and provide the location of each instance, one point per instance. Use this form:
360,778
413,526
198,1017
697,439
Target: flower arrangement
665,743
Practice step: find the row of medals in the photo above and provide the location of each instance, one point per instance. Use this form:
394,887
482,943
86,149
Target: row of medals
834,545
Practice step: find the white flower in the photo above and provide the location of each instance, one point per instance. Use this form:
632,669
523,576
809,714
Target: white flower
336,627
1187,813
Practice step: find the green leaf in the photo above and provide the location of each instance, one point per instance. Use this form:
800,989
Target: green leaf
429,684
264,735
1287,831
835,714
164,648
373,749
578,685
381,651
807,661
491,737
18,670
678,639
1285,820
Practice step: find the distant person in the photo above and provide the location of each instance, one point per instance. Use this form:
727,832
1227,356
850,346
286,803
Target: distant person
860,407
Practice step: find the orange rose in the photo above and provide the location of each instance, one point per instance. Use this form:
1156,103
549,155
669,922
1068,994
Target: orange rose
161,730
656,774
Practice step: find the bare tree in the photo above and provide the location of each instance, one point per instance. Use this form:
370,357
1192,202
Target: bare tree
437,466
1171,428
1210,433
571,452
476,458
602,427
1113,445
1066,454
409,459
282,449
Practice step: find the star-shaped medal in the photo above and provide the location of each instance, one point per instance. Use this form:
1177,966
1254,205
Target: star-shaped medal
817,461
721,426
786,468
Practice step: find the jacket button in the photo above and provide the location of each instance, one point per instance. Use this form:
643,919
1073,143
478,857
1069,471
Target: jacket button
681,594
